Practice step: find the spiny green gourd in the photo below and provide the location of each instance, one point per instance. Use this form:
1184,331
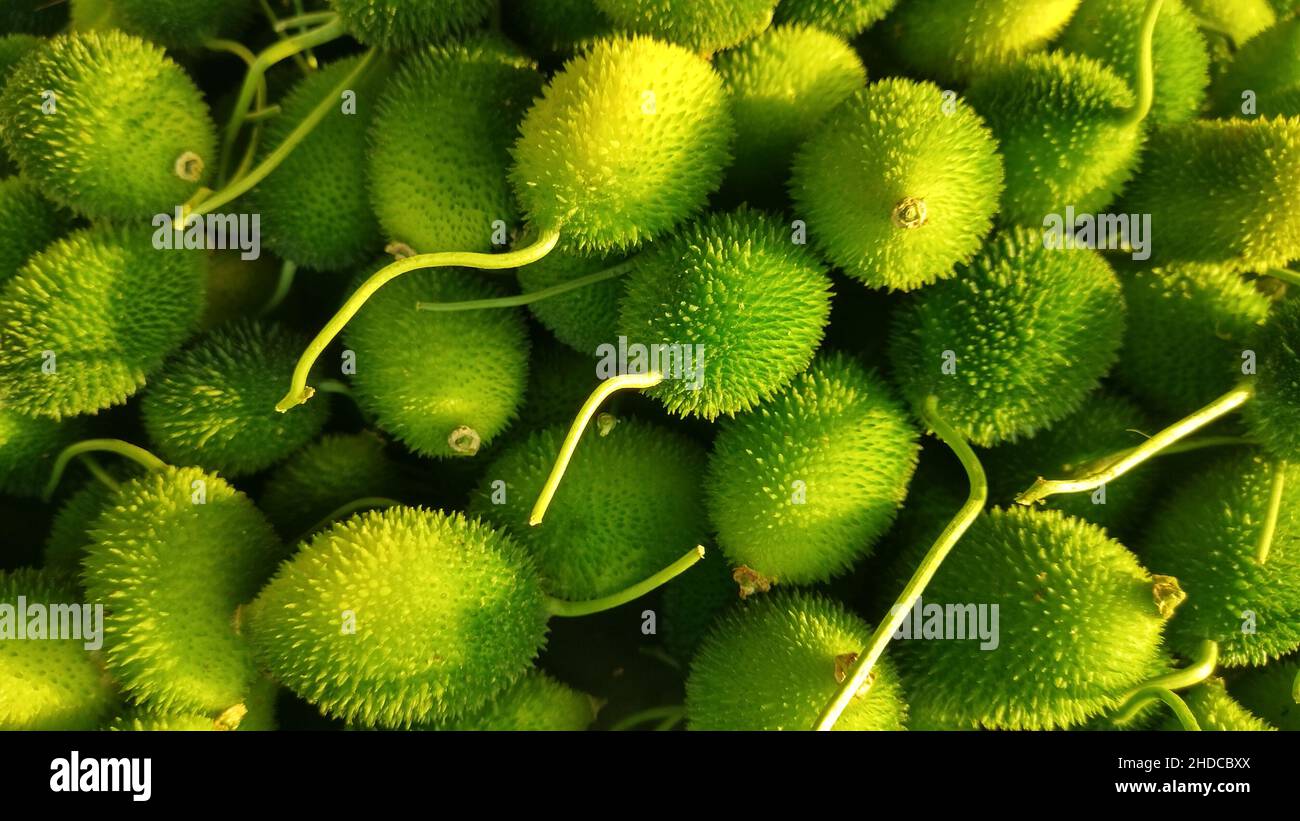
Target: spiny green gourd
1188,327
400,24
773,663
1015,342
173,556
629,505
1268,692
1273,415
400,617
442,383
87,319
440,145
1264,75
13,47
693,602
735,292
704,26
1248,604
804,485
584,318
894,188
153,141
315,207
782,83
28,445
1215,710
559,380
31,222
1079,625
1104,425
180,24
322,477
69,535
846,18
255,714
1108,31
1060,120
1245,169
212,406
1239,19
956,40
558,28
48,683
626,142
535,703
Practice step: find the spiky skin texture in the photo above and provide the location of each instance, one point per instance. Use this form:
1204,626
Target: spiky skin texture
448,613
626,142
31,222
316,208
1273,416
48,683
1268,66
180,23
69,534
170,573
144,112
1103,425
28,447
770,664
1266,692
13,47
1207,534
440,145
956,40
1079,625
846,18
108,306
803,486
782,83
1187,329
260,717
400,24
1246,168
1033,332
212,405
693,601
1241,19
424,375
890,144
1215,710
585,318
535,703
753,305
559,27
1110,32
1058,120
327,474
703,26
606,528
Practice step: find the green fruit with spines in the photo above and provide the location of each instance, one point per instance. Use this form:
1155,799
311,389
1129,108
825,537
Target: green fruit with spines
28,446
1079,625
439,146
587,317
1104,425
693,602
1268,692
336,469
1273,415
771,664
894,190
558,28
1110,31
38,17
128,134
179,24
49,683
315,207
401,24
1215,710
782,83
86,320
703,26
1241,20
803,486
69,536
213,406
1187,329
846,18
13,47
171,570
1015,343
425,376
535,703
448,614
1059,121
958,40
559,380
626,142
1213,549
1268,66
606,528
260,716
31,223
749,302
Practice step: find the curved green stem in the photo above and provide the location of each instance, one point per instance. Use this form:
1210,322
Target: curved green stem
518,300
1285,275
299,392
263,113
368,503
97,470
628,381
1181,711
274,20
1146,72
282,287
1267,532
572,609
1295,688
674,713
1201,668
136,454
1220,407
313,18
242,52
976,499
